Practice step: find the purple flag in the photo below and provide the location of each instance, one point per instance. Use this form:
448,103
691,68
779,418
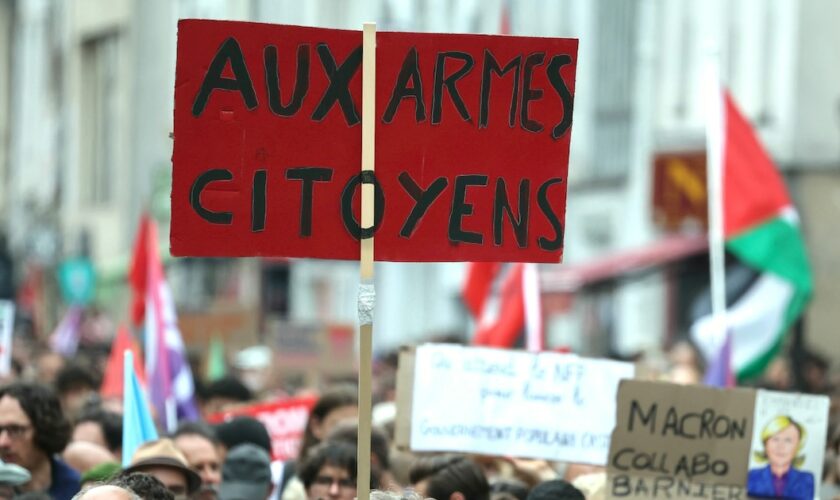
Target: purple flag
719,372
65,339
171,385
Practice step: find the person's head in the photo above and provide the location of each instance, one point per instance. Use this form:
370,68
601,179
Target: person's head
241,430
334,405
83,456
143,485
778,375
556,489
101,473
330,472
380,460
815,372
99,426
74,385
246,474
783,439
508,489
106,492
224,392
202,450
47,366
449,477
163,461
32,425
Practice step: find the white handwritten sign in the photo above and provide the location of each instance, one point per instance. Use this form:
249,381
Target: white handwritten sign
513,403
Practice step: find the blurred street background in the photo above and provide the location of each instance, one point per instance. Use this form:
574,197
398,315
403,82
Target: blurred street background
86,109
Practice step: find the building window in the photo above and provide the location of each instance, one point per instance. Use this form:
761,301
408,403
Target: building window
98,119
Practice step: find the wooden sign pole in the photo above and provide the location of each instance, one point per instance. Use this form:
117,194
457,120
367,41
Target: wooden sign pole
366,289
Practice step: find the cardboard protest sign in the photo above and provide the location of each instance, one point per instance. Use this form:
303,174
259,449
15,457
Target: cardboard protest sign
789,438
674,441
472,144
285,421
512,403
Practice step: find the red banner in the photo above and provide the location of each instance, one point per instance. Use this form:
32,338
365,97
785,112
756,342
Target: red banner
285,421
472,144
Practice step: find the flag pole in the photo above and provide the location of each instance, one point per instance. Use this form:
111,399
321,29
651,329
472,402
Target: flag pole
366,287
714,176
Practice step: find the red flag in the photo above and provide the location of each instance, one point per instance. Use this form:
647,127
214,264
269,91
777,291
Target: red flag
753,190
112,382
500,312
504,25
477,285
138,272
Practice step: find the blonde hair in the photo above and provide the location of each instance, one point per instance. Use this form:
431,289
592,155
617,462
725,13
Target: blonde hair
773,427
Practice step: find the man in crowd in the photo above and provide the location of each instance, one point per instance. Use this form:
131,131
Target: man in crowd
33,431
203,451
99,426
329,471
162,460
143,485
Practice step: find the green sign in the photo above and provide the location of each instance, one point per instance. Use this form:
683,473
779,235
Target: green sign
77,280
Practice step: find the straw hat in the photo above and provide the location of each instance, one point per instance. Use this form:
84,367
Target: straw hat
163,453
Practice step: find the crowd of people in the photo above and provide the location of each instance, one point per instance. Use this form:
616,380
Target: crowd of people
60,439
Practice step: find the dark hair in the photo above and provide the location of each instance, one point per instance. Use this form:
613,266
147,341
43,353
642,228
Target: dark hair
556,489
348,432
73,377
241,430
52,430
336,397
508,488
333,453
447,474
33,495
198,429
111,424
228,388
143,485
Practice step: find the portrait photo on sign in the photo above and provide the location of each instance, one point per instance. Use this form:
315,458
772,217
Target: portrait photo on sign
786,456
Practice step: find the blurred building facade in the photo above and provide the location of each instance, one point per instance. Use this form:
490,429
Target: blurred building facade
86,95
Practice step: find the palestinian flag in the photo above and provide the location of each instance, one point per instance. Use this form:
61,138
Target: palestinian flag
761,229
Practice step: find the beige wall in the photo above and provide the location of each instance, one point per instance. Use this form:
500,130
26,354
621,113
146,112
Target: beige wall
818,198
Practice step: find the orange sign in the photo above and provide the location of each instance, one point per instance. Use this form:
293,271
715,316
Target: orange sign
679,190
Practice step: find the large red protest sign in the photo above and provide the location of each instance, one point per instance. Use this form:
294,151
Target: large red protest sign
472,144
